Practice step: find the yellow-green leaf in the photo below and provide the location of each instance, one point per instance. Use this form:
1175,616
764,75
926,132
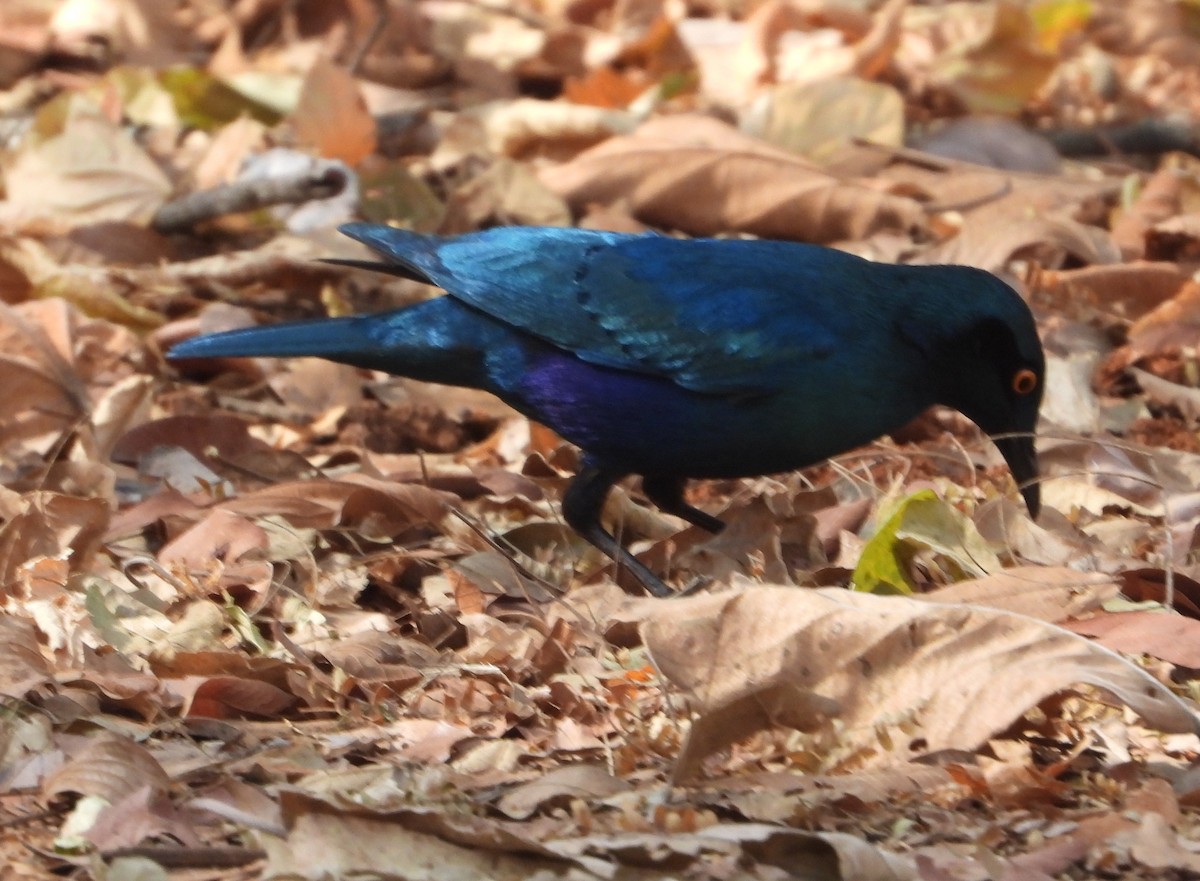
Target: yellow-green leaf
922,523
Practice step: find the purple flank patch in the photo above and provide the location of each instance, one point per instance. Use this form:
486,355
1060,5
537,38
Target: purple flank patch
638,421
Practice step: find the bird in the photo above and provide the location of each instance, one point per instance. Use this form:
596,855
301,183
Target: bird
679,359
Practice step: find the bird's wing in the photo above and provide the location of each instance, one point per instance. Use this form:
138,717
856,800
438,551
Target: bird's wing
714,317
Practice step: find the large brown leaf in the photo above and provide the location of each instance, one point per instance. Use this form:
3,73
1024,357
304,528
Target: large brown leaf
897,677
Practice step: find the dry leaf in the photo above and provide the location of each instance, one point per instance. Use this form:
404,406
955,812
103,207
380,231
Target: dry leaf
110,767
699,176
948,676
332,116
1048,593
89,172
1161,634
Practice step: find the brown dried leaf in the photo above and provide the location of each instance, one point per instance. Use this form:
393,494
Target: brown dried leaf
44,524
221,536
582,780
332,116
995,234
1118,291
23,667
110,767
1170,326
1161,634
1145,27
723,849
991,58
232,697
1176,238
24,39
91,171
494,574
804,658
376,508
508,192
220,685
1151,585
700,176
324,840
40,403
143,814
1161,197
821,120
313,386
208,438
1048,593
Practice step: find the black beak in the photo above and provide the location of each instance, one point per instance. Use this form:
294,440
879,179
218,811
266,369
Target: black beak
1018,452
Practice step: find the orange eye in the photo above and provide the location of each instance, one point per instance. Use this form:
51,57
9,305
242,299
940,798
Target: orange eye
1024,381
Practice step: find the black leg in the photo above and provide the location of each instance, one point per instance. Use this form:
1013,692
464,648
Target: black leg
667,495
581,506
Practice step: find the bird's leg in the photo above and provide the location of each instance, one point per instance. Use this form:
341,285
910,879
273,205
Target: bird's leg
581,507
667,495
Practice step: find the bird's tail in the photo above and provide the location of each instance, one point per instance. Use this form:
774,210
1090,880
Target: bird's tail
436,341
321,337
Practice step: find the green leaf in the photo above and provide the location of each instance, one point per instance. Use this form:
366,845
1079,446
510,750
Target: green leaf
205,102
1054,20
922,524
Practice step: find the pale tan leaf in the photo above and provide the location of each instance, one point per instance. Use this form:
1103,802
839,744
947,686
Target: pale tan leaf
525,126
90,172
109,767
820,120
582,780
1184,398
143,814
951,676
508,191
995,234
1118,291
1048,593
700,176
326,841
989,54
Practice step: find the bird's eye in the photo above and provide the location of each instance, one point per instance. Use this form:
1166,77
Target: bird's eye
1024,381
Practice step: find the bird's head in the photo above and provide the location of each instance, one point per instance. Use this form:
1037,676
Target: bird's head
989,364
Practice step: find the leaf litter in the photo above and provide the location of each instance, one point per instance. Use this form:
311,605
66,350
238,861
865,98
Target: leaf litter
289,619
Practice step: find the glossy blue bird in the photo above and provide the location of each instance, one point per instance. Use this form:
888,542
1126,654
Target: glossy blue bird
678,359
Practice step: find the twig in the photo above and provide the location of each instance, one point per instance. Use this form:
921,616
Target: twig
1147,136
382,18
181,215
191,857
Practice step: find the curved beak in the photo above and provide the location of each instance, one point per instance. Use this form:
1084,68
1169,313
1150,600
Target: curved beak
1021,457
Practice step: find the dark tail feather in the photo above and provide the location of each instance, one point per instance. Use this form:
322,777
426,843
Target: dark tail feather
379,266
332,338
406,254
437,341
